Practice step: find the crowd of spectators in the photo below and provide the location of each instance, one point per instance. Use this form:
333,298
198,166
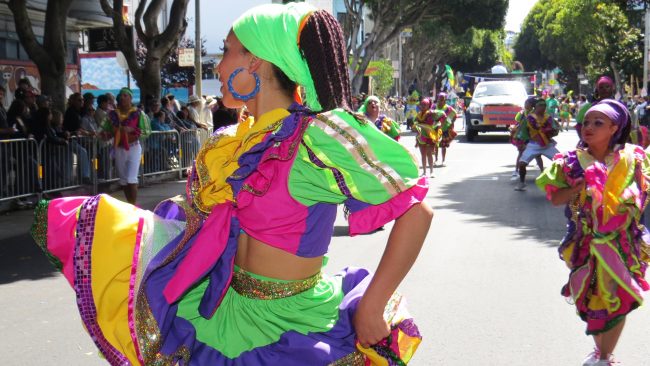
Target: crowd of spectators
70,135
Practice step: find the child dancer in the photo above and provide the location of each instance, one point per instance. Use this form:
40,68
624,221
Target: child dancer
604,183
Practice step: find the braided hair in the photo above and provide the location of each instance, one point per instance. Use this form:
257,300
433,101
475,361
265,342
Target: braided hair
323,47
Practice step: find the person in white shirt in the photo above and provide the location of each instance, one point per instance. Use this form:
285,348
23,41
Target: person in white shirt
499,68
206,112
194,107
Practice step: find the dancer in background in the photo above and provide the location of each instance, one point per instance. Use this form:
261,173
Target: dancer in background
427,128
541,130
447,126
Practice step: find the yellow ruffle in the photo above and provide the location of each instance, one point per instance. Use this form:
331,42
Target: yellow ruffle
218,157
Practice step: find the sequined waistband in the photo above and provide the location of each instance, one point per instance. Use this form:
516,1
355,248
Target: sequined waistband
255,288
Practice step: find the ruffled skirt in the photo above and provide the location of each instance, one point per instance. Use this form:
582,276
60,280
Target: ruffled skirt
119,259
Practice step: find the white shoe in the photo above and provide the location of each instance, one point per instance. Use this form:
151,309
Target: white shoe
520,187
515,174
592,358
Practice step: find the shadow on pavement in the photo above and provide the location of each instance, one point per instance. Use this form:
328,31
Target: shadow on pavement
490,199
21,259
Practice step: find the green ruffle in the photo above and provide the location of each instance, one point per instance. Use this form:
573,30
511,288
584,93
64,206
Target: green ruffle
241,323
39,232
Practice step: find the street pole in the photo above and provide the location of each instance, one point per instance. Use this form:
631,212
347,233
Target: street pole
198,73
645,51
399,47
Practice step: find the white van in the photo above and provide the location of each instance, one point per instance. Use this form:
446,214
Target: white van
494,106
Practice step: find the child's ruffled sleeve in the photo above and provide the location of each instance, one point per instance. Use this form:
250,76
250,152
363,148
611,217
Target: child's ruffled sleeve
342,160
553,177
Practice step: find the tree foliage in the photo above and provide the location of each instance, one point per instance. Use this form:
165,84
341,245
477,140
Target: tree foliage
391,17
171,74
580,36
382,78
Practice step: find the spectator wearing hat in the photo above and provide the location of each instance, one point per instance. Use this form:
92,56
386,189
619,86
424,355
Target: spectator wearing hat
175,106
194,108
206,111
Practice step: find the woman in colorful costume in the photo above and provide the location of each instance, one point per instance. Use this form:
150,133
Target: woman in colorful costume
565,113
231,274
370,108
604,184
447,126
411,108
127,124
427,127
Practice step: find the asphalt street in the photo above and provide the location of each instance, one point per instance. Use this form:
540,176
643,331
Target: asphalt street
485,289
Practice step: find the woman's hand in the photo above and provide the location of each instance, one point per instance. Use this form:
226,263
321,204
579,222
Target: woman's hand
369,323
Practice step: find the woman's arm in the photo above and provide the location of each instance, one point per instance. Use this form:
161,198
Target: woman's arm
563,195
404,244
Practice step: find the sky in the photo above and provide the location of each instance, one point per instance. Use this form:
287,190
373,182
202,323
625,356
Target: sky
517,11
217,17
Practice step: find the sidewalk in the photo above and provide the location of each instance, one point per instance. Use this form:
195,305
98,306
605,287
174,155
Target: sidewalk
20,257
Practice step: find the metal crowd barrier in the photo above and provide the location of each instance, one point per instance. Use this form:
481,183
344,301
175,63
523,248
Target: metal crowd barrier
29,168
160,154
68,165
190,142
18,169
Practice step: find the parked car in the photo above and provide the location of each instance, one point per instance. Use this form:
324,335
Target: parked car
494,106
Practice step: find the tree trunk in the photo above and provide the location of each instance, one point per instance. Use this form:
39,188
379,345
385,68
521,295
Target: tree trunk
158,44
150,83
53,85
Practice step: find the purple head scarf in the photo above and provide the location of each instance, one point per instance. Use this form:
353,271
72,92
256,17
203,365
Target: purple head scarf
618,114
604,80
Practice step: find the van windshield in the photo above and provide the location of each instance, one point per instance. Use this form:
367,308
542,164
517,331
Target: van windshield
514,89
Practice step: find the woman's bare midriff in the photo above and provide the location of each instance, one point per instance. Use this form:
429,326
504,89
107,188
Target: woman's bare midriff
257,257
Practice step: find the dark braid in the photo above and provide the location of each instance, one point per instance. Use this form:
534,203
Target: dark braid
323,47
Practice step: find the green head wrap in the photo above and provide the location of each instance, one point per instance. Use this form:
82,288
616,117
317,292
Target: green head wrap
124,91
271,33
364,106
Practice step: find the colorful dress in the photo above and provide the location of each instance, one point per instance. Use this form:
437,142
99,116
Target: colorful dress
428,127
565,109
411,108
388,126
161,287
606,245
447,126
541,131
519,133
